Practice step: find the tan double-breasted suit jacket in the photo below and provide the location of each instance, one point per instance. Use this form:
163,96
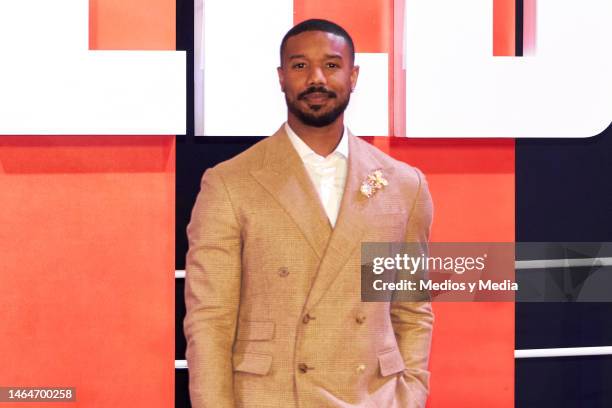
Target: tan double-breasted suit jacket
273,295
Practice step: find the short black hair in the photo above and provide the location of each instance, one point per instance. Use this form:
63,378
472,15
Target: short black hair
317,24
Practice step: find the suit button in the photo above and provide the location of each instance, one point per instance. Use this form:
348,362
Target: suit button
283,271
307,318
361,368
360,319
303,368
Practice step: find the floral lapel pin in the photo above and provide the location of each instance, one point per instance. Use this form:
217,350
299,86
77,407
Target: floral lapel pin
373,182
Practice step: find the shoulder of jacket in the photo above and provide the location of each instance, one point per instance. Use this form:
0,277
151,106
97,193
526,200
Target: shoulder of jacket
244,162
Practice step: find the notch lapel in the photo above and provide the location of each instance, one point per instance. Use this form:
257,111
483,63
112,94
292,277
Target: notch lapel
284,176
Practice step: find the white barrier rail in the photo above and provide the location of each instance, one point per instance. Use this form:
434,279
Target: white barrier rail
563,352
562,263
534,264
526,353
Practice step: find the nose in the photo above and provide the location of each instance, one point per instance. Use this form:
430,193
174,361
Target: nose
316,76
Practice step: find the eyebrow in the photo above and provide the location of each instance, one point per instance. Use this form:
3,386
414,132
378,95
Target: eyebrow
296,56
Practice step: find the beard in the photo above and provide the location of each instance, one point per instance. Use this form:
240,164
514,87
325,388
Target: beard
313,118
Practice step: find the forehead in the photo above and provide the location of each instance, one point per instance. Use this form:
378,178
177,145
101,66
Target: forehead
316,43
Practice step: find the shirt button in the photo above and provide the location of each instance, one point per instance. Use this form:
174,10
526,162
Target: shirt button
283,271
307,318
360,319
303,368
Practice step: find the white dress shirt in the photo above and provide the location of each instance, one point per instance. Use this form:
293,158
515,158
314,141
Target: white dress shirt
328,174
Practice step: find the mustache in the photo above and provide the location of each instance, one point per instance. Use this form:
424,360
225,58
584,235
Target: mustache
316,89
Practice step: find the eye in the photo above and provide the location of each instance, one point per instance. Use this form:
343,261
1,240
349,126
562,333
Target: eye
298,65
332,65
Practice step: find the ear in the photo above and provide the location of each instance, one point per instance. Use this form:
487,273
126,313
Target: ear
281,78
354,75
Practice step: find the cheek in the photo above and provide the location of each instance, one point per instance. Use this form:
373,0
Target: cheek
342,83
290,87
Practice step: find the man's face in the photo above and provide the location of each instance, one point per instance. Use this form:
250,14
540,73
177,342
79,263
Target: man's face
317,77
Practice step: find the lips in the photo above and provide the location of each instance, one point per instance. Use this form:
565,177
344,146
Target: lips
317,97
316,94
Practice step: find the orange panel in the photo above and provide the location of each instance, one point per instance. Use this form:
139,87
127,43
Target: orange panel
472,184
64,154
451,155
472,358
504,27
473,346
473,207
132,24
87,262
369,22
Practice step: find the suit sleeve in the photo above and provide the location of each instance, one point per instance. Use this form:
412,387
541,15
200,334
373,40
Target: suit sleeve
212,293
413,321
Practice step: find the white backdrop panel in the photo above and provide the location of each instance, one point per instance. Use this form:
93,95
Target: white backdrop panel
52,84
455,87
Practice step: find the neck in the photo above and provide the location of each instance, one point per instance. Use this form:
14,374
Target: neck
322,140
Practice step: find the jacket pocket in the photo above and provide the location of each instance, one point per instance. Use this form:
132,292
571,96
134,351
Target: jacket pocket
391,362
253,363
253,330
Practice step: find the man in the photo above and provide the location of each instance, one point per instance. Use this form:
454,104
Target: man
274,311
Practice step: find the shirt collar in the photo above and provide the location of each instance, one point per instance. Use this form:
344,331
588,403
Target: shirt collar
304,150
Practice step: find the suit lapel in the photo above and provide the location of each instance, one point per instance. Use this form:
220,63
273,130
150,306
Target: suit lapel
352,221
284,176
